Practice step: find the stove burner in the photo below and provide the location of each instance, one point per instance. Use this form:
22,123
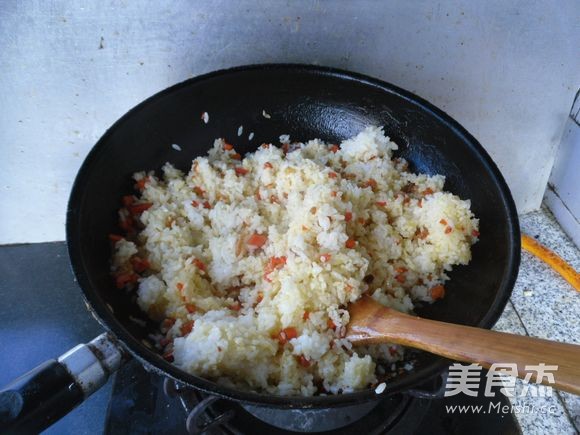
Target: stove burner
143,402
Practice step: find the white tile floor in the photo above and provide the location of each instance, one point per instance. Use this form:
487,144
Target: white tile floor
544,305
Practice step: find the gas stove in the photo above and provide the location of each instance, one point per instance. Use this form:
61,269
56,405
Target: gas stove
143,403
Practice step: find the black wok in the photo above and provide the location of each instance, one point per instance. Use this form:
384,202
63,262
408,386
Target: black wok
305,102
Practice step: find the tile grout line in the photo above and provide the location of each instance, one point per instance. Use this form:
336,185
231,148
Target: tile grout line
559,397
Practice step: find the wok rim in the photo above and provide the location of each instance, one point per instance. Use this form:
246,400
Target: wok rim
152,361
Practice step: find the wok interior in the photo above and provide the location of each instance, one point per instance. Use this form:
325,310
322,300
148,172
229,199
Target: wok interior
305,104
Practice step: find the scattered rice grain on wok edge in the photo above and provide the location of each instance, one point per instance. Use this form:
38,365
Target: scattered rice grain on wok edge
249,264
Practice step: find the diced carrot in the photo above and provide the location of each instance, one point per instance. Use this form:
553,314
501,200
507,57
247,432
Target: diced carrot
303,361
438,292
273,263
139,208
236,306
128,200
241,171
420,202
448,230
260,297
401,269
168,356
285,147
186,327
475,233
291,332
167,323
268,165
381,203
165,341
348,216
236,156
306,315
350,243
179,286
287,334
126,278
334,148
443,222
332,175
199,191
199,264
115,237
428,191
191,308
406,200
362,221
265,146
228,146
325,258
195,203
400,278
274,199
333,194
140,264
313,210
140,185
372,183
330,324
257,240
206,204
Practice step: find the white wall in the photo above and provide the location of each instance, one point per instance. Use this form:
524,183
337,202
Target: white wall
506,70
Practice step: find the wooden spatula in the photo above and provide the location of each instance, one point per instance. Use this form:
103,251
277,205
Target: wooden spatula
372,323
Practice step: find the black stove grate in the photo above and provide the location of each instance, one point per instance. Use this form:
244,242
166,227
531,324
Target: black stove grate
144,403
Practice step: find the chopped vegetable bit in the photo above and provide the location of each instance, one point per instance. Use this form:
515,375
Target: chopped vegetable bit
140,264
186,327
303,361
287,334
350,243
236,156
400,278
167,323
475,233
140,185
199,191
325,258
428,191
306,315
330,324
438,292
332,175
139,208
241,171
179,286
128,200
381,203
236,306
115,237
334,148
268,165
228,146
191,308
443,222
448,230
126,278
348,216
257,240
206,205
199,264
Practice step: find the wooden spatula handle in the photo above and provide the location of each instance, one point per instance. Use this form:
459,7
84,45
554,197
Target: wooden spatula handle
371,323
